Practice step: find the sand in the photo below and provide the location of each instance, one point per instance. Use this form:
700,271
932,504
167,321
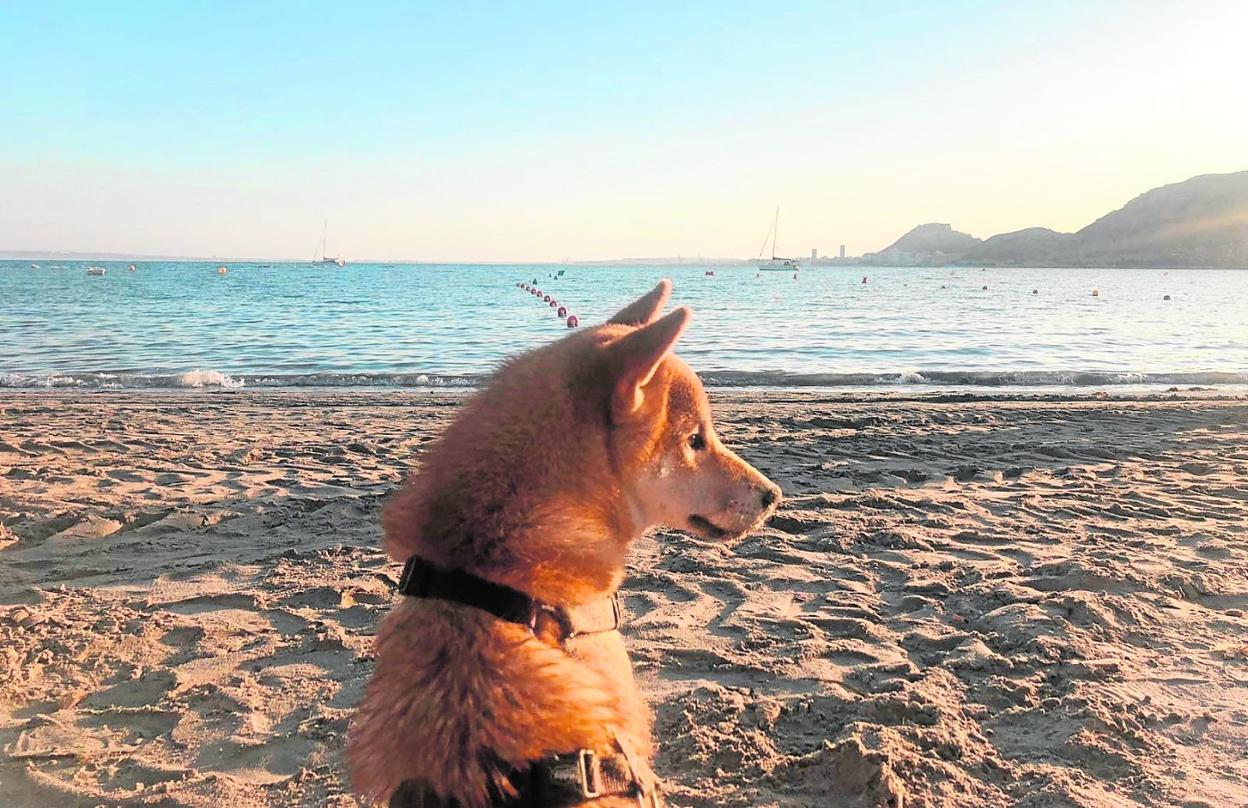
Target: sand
1023,602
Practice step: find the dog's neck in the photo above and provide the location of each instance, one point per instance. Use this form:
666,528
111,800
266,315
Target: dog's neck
570,556
561,550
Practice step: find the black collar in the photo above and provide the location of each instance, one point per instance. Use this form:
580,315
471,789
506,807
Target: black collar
423,580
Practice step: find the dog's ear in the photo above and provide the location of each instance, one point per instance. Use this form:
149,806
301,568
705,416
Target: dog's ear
634,359
644,309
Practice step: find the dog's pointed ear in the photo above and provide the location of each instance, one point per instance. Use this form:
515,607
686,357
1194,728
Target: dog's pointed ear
644,309
634,359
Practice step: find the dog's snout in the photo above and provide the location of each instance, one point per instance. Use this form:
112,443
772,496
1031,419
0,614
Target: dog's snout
769,494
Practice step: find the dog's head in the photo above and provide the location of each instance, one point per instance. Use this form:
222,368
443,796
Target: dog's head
674,469
569,454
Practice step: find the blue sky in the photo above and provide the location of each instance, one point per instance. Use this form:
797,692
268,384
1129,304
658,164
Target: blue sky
539,131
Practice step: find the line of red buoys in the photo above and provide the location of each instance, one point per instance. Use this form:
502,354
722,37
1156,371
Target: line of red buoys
561,311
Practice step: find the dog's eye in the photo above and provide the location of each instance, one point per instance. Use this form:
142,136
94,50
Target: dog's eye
697,442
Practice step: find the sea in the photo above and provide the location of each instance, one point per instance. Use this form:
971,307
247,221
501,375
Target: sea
184,325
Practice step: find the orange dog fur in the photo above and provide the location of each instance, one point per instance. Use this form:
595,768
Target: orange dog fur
542,483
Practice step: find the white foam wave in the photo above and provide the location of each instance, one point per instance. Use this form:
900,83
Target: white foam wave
208,378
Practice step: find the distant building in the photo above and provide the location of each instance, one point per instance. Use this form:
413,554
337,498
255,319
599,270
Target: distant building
814,255
842,251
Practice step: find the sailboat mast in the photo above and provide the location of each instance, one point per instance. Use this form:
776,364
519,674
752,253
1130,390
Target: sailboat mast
775,229
762,249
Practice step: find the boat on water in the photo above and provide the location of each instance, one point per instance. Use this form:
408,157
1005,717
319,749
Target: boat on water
321,258
776,263
95,270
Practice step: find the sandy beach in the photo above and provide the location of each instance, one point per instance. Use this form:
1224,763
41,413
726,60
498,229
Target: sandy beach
963,601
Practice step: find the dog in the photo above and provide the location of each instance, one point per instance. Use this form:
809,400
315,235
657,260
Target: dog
502,680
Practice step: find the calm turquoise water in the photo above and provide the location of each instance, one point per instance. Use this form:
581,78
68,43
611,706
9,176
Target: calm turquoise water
169,325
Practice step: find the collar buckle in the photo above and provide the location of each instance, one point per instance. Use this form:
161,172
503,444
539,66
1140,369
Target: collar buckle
586,769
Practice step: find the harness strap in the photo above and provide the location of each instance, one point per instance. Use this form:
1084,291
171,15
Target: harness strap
554,782
423,580
573,779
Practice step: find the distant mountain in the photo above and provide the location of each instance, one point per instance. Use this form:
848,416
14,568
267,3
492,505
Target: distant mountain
1201,222
1033,245
927,244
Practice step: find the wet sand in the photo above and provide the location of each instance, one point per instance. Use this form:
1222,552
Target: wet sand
963,602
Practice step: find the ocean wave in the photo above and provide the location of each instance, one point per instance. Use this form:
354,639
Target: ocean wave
969,378
200,378
209,378
213,379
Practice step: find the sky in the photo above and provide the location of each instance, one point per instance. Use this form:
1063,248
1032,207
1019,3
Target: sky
545,131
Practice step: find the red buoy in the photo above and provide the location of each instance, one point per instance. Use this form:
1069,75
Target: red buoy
554,303
546,298
563,311
573,322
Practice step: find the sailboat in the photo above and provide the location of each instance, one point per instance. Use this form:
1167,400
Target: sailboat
775,264
321,257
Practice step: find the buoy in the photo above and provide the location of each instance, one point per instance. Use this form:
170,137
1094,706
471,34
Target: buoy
1096,293
563,312
1167,297
545,298
131,267
222,270
554,303
985,287
942,286
573,322
710,273
1035,291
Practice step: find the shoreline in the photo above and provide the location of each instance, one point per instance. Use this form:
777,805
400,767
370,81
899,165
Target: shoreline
811,394
987,600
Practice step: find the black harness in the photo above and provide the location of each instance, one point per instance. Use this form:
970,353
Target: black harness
566,779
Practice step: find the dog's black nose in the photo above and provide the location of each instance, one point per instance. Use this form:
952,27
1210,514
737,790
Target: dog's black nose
769,495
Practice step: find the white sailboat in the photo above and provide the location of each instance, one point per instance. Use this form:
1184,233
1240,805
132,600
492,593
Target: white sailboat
776,264
321,257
